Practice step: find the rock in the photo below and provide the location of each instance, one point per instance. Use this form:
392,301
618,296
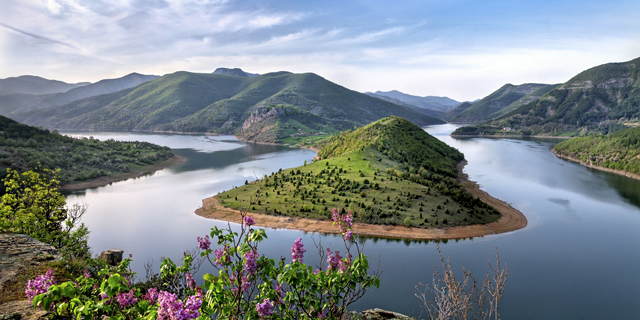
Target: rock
379,314
19,252
112,256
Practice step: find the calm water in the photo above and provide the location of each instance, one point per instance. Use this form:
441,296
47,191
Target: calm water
577,259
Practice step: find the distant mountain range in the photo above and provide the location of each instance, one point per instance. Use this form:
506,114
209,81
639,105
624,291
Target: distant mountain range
602,99
35,85
21,102
440,104
264,108
429,112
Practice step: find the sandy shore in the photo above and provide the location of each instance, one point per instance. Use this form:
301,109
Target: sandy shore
103,181
511,220
588,165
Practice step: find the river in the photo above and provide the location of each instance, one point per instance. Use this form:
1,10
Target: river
576,259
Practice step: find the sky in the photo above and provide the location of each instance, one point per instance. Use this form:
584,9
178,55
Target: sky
456,48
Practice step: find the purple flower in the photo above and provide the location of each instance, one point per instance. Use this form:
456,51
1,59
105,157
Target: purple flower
105,298
250,262
264,308
245,285
336,262
204,243
279,291
171,308
347,235
151,296
40,284
297,251
191,284
86,274
220,254
126,299
247,221
345,222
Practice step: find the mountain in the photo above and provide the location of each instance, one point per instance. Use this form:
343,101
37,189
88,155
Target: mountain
458,110
234,72
533,96
265,108
429,112
19,103
617,151
441,104
24,147
35,85
389,172
495,102
602,99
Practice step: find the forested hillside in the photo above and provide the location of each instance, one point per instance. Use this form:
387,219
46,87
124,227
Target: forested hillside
617,151
389,172
221,104
25,148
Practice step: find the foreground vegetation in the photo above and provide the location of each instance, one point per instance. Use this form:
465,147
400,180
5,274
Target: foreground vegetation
618,151
390,172
24,148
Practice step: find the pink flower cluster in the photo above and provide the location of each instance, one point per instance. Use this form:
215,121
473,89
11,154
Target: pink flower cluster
264,308
220,254
247,221
297,251
126,299
151,296
335,261
250,262
39,285
191,284
171,308
344,221
204,243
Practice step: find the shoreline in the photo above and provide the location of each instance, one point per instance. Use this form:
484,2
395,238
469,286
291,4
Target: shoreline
103,181
505,136
511,220
596,167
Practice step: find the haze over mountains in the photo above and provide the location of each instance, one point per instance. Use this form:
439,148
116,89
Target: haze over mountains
440,104
22,102
35,85
264,108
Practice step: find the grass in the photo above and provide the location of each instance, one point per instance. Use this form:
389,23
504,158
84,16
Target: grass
356,181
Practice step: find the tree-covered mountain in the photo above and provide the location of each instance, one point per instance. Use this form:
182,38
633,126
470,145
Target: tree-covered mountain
599,100
500,99
20,103
440,104
35,85
618,151
265,108
24,148
389,172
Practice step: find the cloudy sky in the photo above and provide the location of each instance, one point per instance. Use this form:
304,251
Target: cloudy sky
456,48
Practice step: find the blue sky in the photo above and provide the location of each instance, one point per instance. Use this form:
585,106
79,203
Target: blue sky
456,48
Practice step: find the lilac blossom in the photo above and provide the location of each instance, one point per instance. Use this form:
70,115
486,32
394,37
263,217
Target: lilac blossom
279,291
105,298
151,296
220,254
247,221
345,222
126,299
191,284
264,308
171,308
297,251
348,235
86,274
250,261
40,284
333,259
204,243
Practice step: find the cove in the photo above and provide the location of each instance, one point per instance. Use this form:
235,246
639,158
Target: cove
577,258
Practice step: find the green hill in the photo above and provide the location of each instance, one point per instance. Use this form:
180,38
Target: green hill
388,172
24,147
600,100
493,103
617,151
221,104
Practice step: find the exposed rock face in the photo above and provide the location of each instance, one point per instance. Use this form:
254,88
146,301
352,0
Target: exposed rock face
19,252
379,314
112,256
260,115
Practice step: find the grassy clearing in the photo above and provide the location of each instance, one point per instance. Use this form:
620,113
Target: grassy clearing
366,182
